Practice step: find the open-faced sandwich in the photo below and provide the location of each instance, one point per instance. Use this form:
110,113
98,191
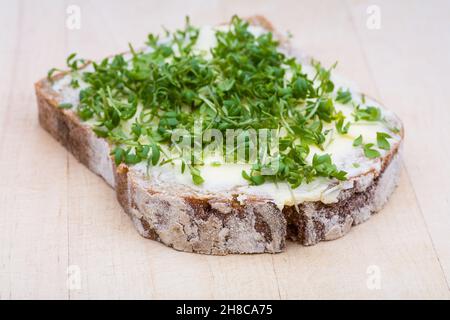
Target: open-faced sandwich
223,140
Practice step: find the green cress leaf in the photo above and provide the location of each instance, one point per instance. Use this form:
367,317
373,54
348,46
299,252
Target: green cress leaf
136,129
340,175
324,167
70,59
65,105
142,151
155,154
51,72
344,97
132,158
369,114
358,141
119,155
301,88
257,180
226,85
245,175
85,113
340,127
369,152
74,83
196,177
382,140
102,133
73,63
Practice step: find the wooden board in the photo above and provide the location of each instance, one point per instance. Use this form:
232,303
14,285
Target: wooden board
63,235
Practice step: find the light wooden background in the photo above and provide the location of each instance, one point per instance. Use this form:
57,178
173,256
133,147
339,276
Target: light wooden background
54,213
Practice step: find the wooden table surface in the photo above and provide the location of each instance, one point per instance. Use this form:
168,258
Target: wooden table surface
63,234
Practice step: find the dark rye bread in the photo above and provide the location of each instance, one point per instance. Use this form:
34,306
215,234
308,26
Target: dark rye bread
215,223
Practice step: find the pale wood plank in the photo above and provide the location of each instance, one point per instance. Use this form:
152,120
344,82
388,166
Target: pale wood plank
8,20
33,219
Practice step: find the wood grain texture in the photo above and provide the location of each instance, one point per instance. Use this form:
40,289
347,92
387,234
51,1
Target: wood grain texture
55,214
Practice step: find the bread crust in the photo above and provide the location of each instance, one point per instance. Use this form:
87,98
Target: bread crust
216,224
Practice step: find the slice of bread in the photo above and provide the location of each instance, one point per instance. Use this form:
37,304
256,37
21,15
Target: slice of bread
227,220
